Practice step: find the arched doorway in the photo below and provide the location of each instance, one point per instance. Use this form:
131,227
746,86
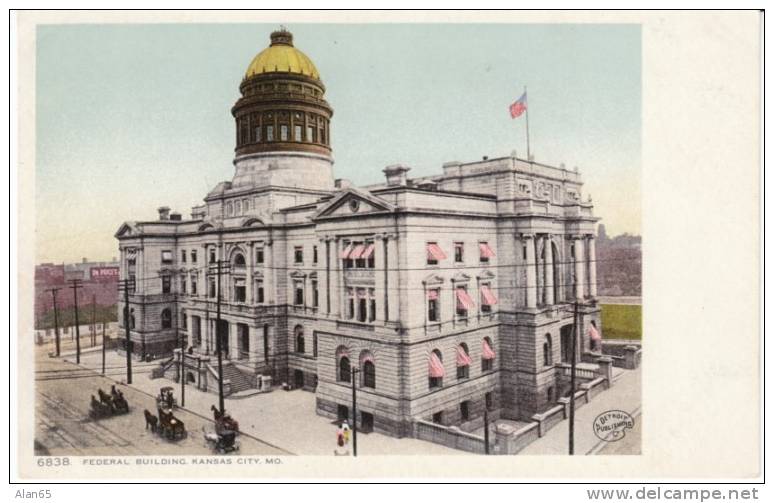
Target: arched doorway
298,379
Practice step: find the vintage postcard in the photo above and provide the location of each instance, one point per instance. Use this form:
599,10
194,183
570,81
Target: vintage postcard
267,245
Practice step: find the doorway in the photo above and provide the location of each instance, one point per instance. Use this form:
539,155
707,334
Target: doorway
366,422
566,336
298,379
342,413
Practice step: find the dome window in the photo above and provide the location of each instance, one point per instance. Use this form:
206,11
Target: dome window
283,132
297,133
269,133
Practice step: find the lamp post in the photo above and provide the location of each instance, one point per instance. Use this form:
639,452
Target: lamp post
354,370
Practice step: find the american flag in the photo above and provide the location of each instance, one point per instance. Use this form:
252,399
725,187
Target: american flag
519,107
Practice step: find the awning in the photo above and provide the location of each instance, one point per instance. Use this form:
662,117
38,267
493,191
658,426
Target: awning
463,360
436,366
434,252
486,250
368,252
366,358
432,294
463,299
594,334
486,351
345,252
131,253
487,297
357,252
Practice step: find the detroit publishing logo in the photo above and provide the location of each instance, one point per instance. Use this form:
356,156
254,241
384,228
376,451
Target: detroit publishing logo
611,425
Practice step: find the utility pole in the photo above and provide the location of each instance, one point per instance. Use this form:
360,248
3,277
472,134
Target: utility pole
220,267
93,320
572,378
486,431
354,370
103,348
182,364
126,285
56,320
75,285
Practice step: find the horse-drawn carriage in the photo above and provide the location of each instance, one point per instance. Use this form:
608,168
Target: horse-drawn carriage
224,421
223,441
166,399
165,424
108,404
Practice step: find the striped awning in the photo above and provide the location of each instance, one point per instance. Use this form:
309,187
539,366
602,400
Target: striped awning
368,252
357,252
487,296
434,252
594,334
131,253
432,295
463,300
487,353
463,360
436,366
486,250
346,251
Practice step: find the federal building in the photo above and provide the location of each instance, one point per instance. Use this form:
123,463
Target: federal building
445,295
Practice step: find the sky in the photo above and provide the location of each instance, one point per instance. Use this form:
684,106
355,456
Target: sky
133,117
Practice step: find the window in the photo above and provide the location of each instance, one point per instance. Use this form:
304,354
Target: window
283,133
182,256
488,298
485,252
369,374
193,256
239,260
362,305
166,284
371,306
266,343
258,134
432,305
345,373
314,254
298,298
322,135
465,410
434,253
350,303
212,255
459,252
299,339
548,358
269,133
463,362
438,417
314,344
166,256
464,302
183,320
259,255
132,262
487,355
297,133
183,285
524,252
166,319
239,290
310,134
488,400
211,285
572,250
315,294
193,285
436,369
259,291
298,254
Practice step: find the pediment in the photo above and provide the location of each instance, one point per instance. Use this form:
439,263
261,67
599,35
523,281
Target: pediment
432,279
486,274
127,229
460,277
297,275
353,202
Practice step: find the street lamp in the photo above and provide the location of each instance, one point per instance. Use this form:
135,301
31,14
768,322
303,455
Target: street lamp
353,371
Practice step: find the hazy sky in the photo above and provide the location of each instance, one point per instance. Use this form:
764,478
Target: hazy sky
133,117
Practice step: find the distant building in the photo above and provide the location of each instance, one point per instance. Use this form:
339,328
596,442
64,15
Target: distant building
451,294
100,281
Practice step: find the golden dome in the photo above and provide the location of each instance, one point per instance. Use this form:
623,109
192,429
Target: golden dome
281,56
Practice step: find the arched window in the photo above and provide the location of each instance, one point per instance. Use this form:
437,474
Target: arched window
183,320
239,260
487,355
299,331
166,318
463,361
368,369
550,394
345,374
548,358
436,370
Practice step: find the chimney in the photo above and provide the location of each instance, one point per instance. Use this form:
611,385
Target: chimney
342,183
485,158
177,217
164,213
396,175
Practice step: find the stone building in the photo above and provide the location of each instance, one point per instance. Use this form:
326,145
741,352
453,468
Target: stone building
447,294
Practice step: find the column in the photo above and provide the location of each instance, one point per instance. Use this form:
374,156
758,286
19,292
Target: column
333,274
233,343
342,291
592,267
393,292
250,286
531,286
269,293
139,272
322,276
549,265
579,274
380,278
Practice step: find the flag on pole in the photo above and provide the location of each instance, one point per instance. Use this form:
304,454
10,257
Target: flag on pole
519,106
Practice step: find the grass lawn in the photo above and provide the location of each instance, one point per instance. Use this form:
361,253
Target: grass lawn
621,321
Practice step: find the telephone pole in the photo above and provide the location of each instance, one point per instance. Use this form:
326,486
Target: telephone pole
56,320
93,320
486,431
182,363
75,285
126,285
572,378
354,370
103,348
219,268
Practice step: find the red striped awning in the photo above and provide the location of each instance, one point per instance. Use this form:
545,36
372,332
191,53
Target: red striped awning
594,334
345,252
368,252
486,250
487,296
463,299
357,252
487,353
432,294
367,358
436,366
434,252
463,360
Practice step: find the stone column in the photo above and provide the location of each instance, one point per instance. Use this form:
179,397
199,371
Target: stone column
333,273
393,292
342,291
139,272
322,276
269,293
380,278
250,280
592,267
579,273
549,265
531,286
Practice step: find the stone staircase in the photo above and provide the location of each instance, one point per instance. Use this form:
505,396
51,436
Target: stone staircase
239,380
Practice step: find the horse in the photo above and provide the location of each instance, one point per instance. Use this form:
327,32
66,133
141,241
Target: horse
216,413
104,397
151,420
115,393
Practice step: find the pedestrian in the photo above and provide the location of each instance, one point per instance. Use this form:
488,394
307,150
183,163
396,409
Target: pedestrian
340,449
345,430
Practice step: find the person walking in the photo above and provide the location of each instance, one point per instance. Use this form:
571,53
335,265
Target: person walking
346,431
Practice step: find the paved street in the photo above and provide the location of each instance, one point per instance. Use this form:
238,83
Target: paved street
624,395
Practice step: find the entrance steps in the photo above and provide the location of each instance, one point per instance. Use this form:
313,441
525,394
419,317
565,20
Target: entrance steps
240,381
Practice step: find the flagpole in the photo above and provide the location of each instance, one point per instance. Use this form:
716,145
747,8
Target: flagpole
527,112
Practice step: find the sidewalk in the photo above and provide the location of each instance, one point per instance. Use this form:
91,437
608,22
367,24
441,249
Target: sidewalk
286,420
624,395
